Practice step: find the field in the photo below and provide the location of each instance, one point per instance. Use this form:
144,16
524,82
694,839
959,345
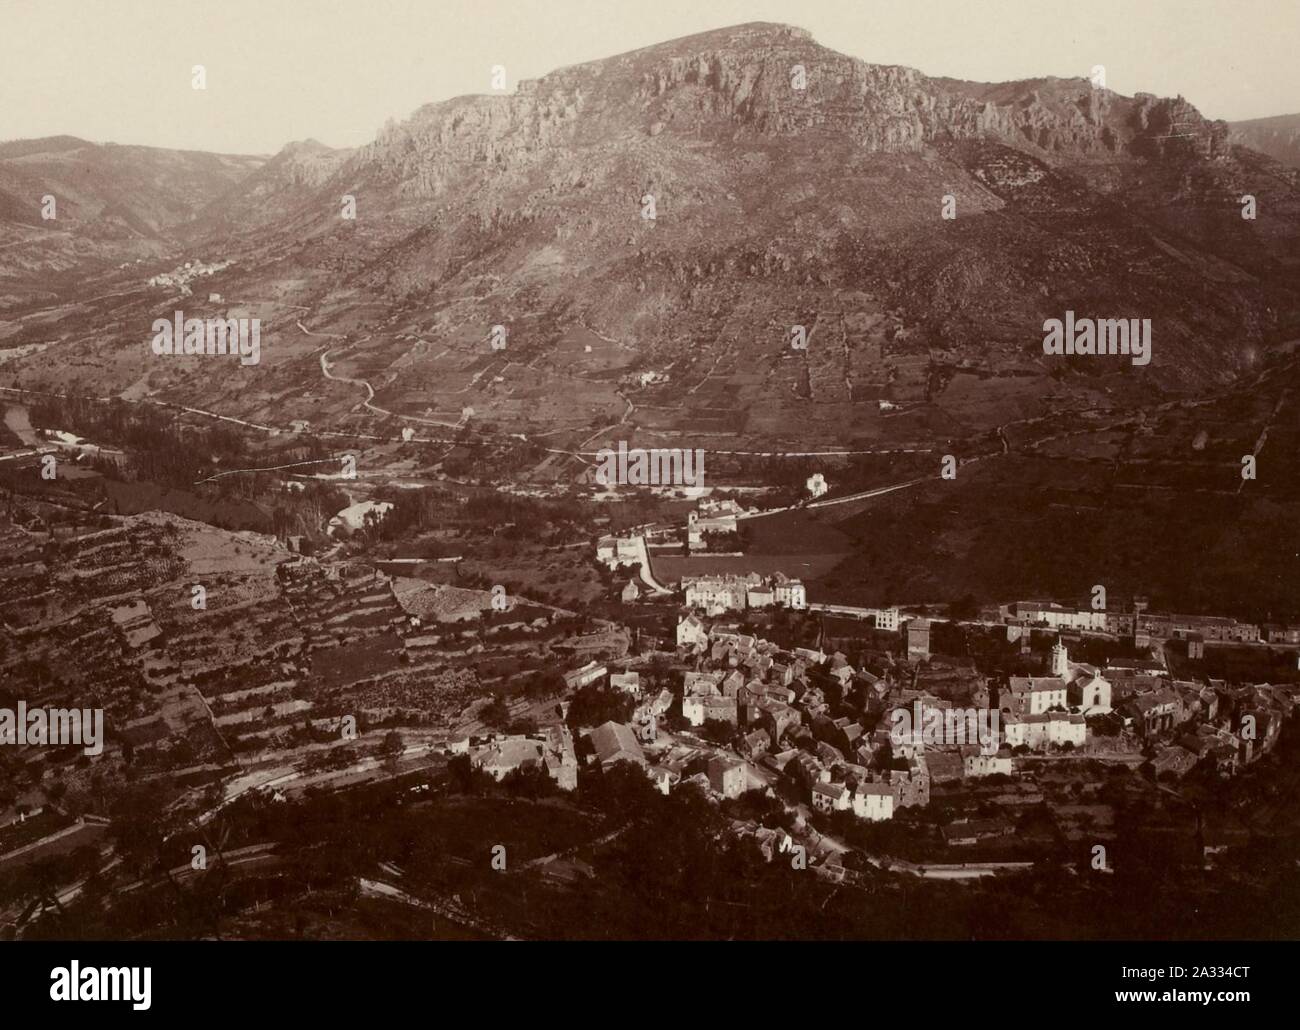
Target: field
1029,527
564,576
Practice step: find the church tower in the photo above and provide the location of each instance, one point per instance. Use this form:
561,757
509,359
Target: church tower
1060,660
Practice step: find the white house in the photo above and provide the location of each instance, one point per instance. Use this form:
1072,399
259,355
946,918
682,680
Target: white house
716,594
830,797
977,763
691,633
1038,731
614,551
791,593
697,709
1059,617
886,619
626,681
589,673
697,527
703,684
873,801
760,597
1033,695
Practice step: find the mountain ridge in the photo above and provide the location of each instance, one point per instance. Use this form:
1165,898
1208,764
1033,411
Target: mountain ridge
775,205
1278,136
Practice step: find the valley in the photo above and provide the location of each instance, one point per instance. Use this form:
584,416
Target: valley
364,606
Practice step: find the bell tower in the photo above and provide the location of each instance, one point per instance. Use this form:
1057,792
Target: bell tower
1060,660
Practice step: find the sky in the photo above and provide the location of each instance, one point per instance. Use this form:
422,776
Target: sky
336,70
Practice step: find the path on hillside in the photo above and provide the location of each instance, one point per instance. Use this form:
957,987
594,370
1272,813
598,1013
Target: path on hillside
860,496
647,575
370,396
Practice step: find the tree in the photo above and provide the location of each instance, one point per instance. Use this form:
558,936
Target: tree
595,704
719,731
966,607
495,714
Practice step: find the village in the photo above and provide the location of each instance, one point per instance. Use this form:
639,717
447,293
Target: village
954,741
331,672
820,733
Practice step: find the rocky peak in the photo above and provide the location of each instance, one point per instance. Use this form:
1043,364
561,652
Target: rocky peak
304,163
770,80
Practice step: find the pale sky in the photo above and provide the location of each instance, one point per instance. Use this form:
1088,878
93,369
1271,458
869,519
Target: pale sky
335,70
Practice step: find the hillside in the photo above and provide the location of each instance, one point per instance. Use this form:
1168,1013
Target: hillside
774,206
1278,137
112,204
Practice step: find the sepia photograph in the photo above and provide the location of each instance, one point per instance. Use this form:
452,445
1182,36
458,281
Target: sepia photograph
757,471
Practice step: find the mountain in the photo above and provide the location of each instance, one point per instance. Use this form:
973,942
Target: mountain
287,179
774,206
773,202
1278,137
110,190
111,203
